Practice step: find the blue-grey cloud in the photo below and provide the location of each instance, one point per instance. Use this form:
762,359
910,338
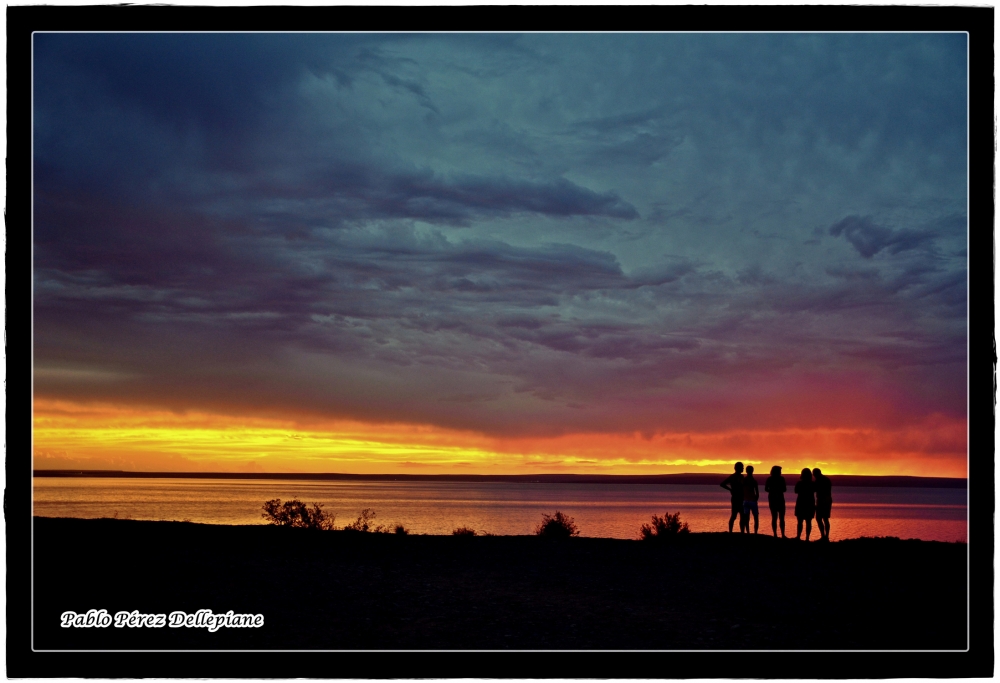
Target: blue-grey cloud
582,231
869,238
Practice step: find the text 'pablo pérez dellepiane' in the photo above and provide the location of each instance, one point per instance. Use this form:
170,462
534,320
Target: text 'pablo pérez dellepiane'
203,618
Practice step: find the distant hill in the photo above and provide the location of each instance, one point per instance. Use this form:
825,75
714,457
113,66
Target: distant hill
699,478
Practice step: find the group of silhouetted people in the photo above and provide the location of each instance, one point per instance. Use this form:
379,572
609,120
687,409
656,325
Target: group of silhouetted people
813,499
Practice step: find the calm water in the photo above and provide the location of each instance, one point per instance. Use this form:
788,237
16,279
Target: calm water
431,507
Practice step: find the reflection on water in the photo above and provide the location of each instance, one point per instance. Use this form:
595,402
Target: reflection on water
432,507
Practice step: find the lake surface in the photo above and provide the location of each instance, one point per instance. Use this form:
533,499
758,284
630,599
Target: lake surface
434,507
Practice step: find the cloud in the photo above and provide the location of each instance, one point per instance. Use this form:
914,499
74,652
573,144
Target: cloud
423,196
395,323
869,238
515,234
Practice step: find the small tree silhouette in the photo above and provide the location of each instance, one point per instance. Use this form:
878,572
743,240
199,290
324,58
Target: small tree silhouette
400,530
463,531
664,528
295,513
557,526
365,522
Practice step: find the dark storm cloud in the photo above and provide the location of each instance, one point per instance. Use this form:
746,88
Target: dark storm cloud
215,80
211,121
580,231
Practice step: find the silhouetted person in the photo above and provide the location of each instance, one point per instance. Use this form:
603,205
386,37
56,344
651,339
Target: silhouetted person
750,495
805,505
775,487
734,484
824,501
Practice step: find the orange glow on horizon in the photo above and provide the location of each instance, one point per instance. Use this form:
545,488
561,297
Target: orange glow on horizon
100,436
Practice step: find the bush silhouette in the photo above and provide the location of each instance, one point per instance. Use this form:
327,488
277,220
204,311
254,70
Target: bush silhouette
400,530
463,531
663,528
557,526
295,513
365,522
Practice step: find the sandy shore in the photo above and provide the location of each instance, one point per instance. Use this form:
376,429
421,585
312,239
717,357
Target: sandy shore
335,590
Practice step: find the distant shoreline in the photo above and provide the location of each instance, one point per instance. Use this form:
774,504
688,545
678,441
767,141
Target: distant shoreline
703,479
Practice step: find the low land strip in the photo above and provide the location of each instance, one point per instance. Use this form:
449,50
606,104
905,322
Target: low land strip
336,590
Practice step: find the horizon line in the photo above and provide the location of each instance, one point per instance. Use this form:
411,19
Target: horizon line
676,478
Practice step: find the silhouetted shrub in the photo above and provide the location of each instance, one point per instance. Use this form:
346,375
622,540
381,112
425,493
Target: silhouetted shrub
365,523
400,530
557,526
297,514
663,528
463,531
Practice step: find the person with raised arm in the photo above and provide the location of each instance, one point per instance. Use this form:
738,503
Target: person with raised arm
734,484
805,504
775,487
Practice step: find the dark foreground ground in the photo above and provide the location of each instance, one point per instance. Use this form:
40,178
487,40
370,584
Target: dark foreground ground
335,590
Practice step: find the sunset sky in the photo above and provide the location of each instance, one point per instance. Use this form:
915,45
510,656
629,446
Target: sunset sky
500,253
